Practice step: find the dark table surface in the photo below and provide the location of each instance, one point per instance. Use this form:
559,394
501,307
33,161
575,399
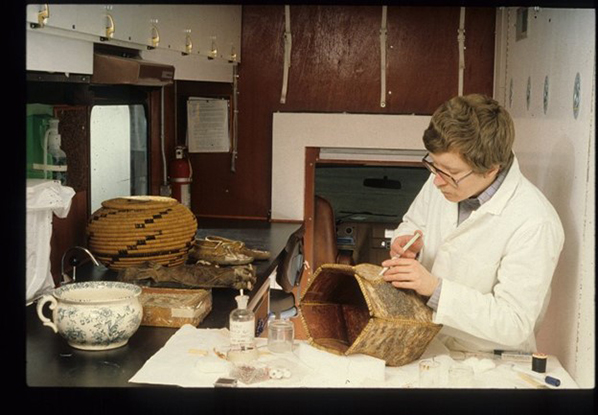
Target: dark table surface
50,361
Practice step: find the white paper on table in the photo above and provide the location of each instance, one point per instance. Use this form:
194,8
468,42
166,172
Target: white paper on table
175,363
345,369
180,361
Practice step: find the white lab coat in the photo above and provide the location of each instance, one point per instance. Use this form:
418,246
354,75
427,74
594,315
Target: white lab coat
496,266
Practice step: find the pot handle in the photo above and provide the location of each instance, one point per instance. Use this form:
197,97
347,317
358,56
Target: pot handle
40,311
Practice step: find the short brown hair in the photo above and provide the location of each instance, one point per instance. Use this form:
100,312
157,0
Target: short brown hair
476,127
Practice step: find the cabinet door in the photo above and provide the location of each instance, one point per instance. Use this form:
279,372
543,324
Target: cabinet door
168,21
184,31
230,35
219,30
92,19
147,24
58,16
126,28
33,11
203,28
87,19
144,24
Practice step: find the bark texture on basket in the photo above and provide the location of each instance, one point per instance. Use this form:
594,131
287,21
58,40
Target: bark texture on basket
193,275
351,309
128,231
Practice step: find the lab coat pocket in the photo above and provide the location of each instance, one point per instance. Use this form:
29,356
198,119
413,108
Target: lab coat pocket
476,273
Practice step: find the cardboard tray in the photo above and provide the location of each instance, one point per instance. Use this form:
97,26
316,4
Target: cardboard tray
174,307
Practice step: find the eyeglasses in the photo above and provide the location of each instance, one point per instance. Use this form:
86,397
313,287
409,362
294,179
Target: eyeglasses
447,177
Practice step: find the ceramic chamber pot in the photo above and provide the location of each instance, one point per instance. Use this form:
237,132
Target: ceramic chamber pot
94,315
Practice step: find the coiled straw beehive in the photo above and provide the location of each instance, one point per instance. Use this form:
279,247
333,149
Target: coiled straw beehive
351,309
128,231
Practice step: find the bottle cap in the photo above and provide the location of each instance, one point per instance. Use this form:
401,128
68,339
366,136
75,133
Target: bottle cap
242,300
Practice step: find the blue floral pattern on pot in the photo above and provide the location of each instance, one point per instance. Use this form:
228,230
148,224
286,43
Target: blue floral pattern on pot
95,315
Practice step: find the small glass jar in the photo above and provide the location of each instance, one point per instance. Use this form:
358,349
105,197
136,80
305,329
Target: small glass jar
280,336
429,374
461,376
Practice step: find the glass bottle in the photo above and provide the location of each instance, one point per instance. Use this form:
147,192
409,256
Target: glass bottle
58,156
242,332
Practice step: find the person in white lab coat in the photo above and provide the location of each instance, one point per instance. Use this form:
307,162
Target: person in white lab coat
490,240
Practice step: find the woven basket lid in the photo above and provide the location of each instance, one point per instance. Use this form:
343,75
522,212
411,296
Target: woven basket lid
139,202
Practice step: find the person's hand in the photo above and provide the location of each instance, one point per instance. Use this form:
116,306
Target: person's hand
396,249
408,273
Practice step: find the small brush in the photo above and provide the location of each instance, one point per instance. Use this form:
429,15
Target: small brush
405,248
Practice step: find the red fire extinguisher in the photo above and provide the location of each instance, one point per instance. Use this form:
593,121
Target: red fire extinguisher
180,177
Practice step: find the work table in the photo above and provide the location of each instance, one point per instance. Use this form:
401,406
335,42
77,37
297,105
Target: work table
50,361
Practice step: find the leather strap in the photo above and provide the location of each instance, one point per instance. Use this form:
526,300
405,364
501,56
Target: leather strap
383,58
234,152
287,52
461,41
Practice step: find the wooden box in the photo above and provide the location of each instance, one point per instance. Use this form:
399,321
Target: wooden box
173,307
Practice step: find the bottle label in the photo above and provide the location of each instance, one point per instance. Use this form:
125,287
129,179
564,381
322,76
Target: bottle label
242,332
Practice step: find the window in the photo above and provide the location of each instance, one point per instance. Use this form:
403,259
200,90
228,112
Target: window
118,152
369,193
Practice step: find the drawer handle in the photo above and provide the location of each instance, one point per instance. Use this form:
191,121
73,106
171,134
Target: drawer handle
233,54
155,36
43,15
111,27
188,44
213,50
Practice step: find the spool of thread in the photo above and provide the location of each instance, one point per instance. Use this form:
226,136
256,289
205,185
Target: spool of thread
539,362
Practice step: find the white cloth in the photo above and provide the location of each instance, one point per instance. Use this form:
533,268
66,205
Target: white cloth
496,266
190,359
44,198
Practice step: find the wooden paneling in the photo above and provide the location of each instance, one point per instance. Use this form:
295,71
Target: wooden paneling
74,133
479,50
68,232
311,158
216,191
335,67
423,61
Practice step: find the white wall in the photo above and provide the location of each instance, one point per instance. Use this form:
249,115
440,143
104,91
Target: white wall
556,152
